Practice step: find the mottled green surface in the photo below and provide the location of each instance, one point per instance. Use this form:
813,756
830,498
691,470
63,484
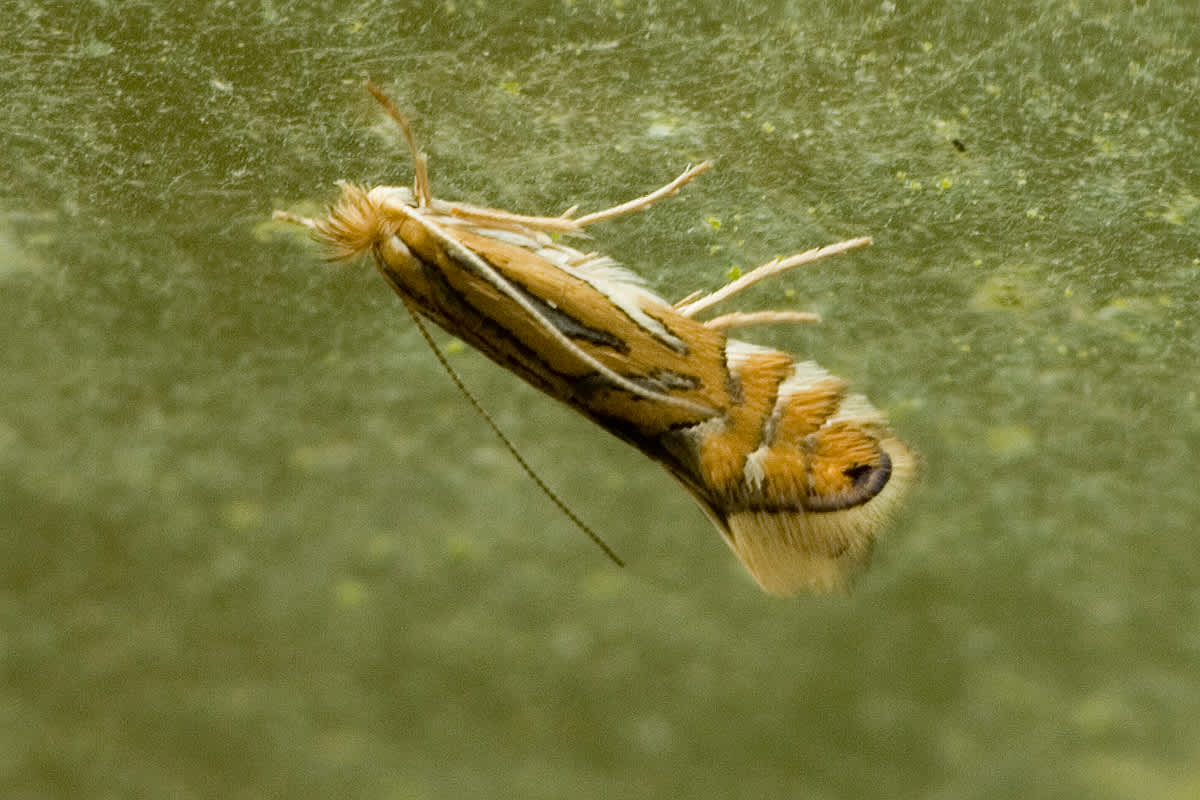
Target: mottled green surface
254,545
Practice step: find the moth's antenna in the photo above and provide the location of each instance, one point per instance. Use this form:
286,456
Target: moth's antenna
422,188
546,490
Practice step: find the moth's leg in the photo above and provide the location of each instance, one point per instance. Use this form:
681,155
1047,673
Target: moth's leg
690,307
565,222
496,217
746,319
422,189
295,219
645,201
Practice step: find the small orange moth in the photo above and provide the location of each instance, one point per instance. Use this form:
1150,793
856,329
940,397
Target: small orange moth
797,474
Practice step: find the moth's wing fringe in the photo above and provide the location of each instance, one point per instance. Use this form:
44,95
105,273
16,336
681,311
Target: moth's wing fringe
790,552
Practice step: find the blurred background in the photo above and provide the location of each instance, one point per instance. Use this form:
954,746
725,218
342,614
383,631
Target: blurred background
254,544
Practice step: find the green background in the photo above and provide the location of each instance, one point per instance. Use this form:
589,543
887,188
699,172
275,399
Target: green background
253,544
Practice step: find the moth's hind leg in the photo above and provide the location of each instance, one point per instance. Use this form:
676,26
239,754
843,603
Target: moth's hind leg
693,303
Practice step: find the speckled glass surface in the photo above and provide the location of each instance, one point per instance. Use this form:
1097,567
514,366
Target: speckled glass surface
253,544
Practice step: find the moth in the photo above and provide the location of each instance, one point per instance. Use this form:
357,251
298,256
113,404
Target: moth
798,475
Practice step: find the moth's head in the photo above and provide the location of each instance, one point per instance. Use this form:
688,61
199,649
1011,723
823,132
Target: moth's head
361,219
